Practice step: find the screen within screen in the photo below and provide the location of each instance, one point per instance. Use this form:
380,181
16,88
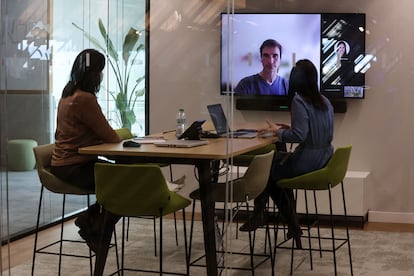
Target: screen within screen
335,43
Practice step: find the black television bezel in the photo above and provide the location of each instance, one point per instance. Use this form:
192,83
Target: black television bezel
262,102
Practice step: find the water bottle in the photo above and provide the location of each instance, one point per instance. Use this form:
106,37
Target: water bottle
181,120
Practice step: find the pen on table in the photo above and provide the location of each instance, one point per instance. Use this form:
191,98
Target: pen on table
168,131
149,137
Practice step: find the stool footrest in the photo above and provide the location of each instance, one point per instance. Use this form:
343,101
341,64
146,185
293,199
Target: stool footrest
257,264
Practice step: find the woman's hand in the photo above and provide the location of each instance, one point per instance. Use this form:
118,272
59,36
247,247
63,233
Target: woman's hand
283,125
271,128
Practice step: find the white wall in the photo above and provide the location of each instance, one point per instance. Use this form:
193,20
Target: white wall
184,72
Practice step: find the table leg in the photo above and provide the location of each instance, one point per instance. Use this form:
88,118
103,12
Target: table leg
207,212
108,225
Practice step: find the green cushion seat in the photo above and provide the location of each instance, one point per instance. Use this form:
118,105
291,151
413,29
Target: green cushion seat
20,154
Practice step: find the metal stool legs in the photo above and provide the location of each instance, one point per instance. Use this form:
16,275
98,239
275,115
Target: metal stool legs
43,250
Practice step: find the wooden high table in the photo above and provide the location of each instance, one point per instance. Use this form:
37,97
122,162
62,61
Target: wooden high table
202,157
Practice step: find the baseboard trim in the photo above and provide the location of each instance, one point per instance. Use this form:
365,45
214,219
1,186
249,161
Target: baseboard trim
324,220
390,217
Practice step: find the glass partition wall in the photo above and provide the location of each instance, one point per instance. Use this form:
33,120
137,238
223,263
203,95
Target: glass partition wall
26,109
40,40
185,57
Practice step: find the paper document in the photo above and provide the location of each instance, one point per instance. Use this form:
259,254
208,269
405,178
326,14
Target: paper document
149,140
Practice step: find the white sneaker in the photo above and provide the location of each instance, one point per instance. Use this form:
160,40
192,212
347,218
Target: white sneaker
177,184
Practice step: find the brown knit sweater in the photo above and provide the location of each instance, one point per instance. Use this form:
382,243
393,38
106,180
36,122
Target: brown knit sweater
80,123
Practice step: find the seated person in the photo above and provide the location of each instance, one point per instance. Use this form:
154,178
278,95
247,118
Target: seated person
81,123
312,120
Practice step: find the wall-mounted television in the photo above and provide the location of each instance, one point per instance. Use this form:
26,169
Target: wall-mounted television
314,36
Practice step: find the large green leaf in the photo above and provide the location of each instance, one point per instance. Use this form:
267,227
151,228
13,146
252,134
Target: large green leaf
91,38
121,101
130,40
140,92
140,47
111,48
130,116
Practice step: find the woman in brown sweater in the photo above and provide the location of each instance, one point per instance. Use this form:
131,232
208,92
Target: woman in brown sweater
81,123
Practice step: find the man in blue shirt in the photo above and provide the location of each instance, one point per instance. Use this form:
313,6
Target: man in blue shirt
267,82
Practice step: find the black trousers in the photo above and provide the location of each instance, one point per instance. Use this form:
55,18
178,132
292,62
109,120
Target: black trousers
80,175
283,198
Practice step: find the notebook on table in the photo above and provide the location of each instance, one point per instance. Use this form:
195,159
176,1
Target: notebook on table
220,124
181,143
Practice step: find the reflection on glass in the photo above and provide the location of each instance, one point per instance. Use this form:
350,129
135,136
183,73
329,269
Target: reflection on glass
39,47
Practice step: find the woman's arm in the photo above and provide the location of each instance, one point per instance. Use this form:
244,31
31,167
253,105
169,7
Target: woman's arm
93,117
299,129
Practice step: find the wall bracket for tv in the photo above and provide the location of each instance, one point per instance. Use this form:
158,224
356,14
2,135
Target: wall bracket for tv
266,104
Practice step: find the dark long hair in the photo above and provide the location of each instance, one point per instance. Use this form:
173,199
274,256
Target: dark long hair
86,73
304,81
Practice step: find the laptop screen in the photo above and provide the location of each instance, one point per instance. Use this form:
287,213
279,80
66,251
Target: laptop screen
218,117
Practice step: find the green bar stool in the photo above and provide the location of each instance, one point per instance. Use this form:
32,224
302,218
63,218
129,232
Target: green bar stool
324,179
125,134
50,182
135,190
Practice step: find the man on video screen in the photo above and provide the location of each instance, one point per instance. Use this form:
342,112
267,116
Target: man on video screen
267,81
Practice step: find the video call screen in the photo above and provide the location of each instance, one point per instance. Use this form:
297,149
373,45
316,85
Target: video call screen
343,52
334,42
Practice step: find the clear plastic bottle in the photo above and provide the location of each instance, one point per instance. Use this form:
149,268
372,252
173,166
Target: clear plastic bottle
181,121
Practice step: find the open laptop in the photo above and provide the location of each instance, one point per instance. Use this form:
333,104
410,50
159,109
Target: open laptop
220,124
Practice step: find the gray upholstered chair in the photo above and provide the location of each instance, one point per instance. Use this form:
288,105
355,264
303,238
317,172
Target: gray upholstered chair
244,189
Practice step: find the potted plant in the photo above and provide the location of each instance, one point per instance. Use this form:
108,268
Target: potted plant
127,93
